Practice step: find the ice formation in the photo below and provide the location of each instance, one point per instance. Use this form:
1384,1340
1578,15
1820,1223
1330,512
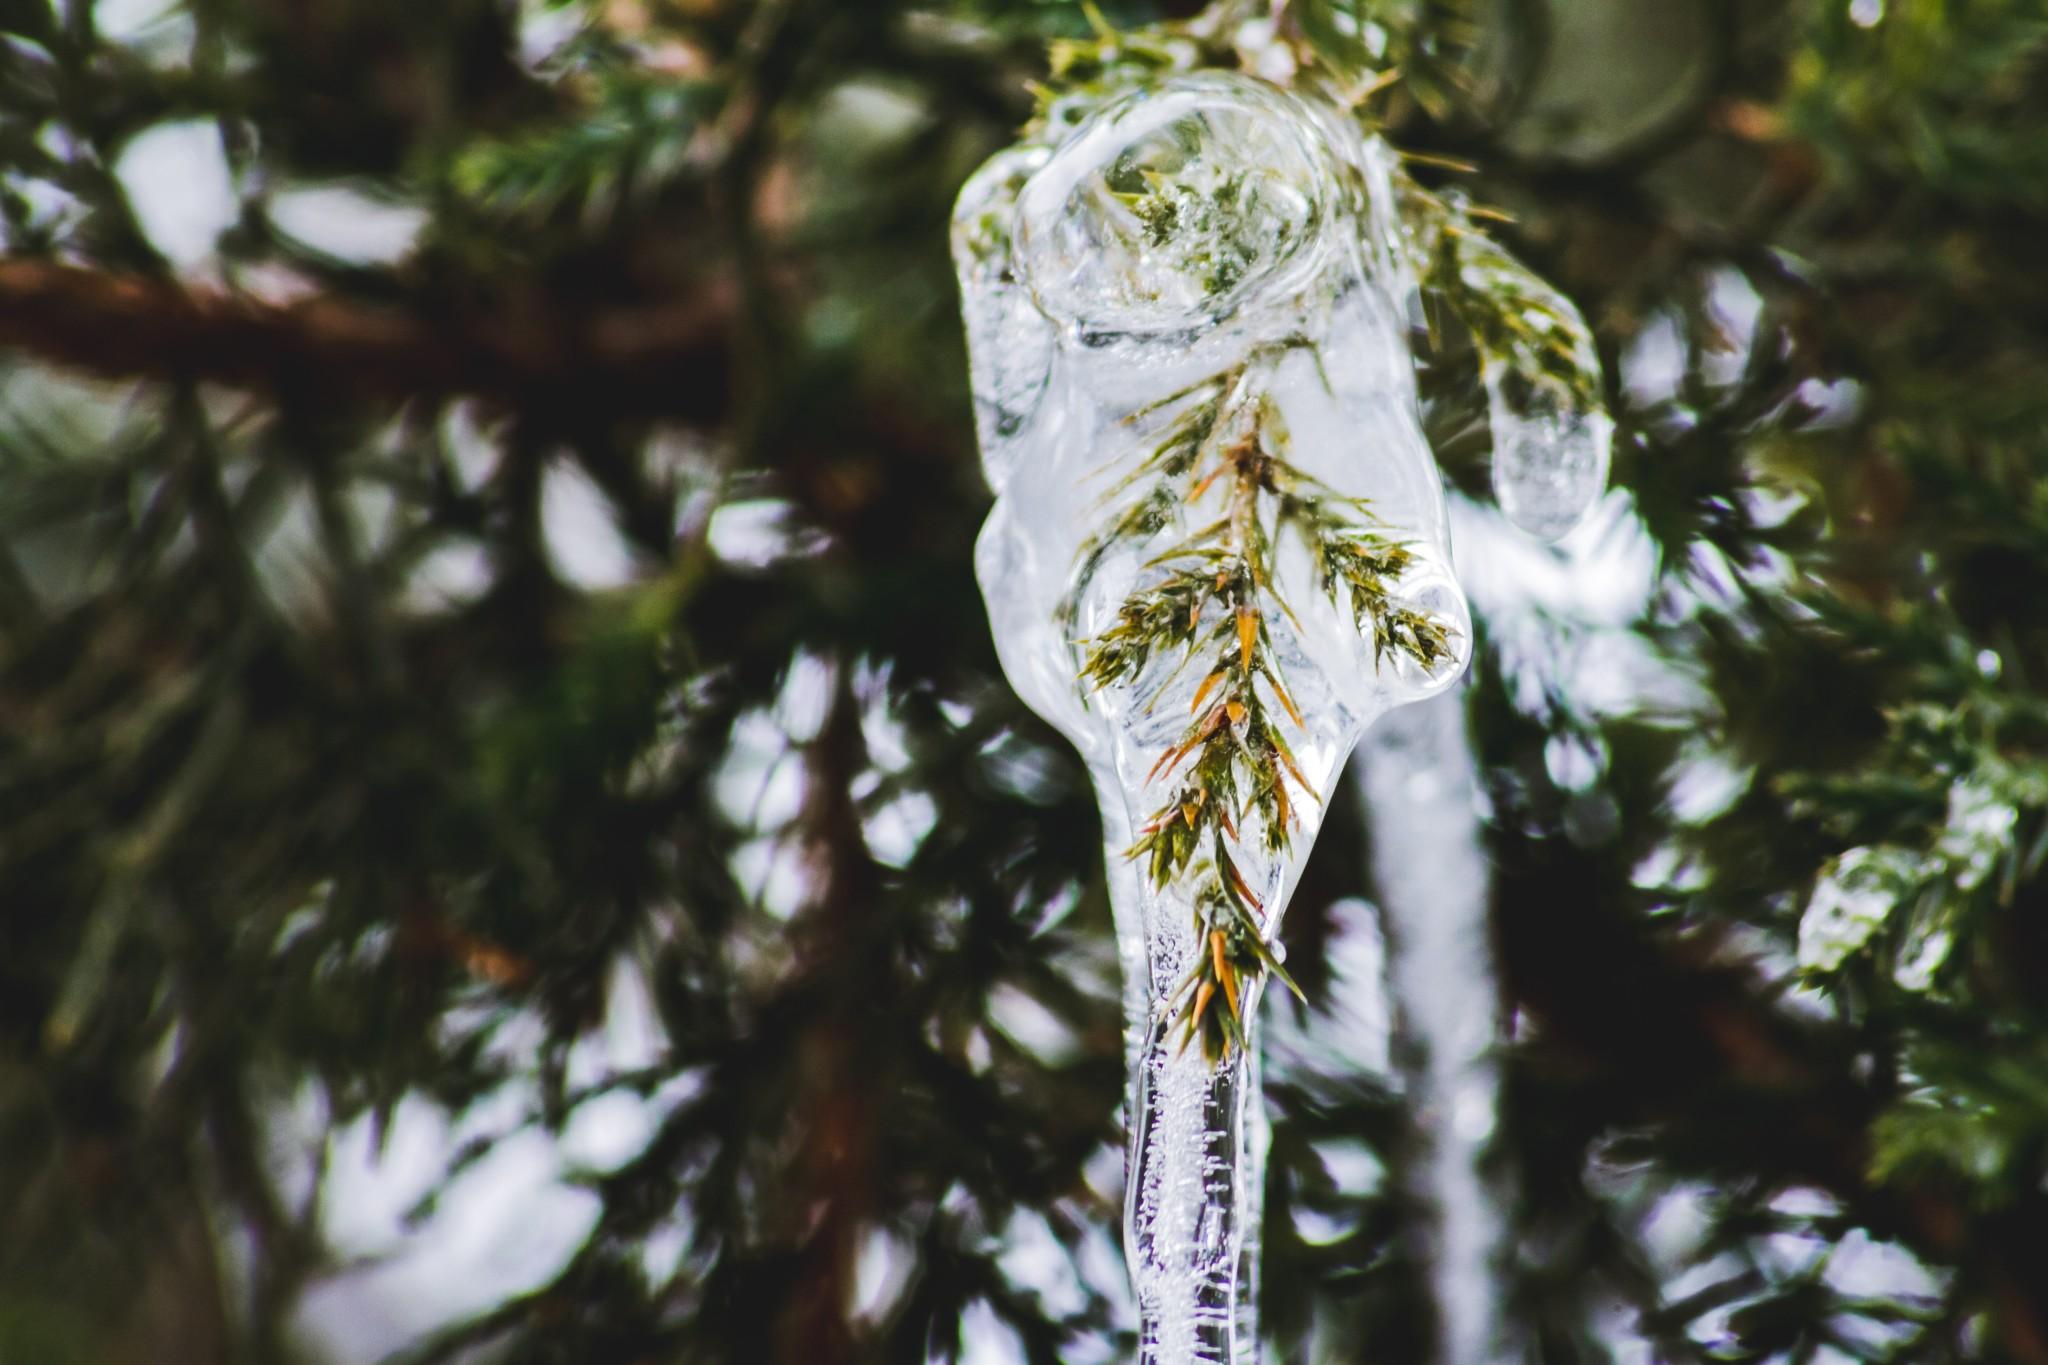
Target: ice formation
1415,772
1549,453
1218,553
1978,832
1551,435
1852,900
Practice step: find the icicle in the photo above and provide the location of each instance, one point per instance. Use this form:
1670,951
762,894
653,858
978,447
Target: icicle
1549,452
1551,432
1415,772
1217,554
1551,436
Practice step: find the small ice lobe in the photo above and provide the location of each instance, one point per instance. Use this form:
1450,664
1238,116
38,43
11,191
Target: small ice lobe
1855,895
1549,454
1214,236
1978,832
1551,437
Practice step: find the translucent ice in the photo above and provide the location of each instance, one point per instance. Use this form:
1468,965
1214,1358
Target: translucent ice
1218,552
1549,453
1551,435
1415,772
1853,898
1978,832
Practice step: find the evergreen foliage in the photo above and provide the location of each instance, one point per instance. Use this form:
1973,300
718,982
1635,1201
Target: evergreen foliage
487,646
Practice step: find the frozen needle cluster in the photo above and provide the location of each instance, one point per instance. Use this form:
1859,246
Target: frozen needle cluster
1218,552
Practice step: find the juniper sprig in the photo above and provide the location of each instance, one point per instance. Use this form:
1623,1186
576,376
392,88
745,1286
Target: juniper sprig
1209,597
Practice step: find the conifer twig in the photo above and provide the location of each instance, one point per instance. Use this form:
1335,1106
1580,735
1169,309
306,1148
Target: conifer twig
1210,597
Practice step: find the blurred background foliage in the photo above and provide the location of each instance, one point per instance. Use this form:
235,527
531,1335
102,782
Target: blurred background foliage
514,846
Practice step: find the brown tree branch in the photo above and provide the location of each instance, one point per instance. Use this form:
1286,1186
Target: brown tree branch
835,1167
665,359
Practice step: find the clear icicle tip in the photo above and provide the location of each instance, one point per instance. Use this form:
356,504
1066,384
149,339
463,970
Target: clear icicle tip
1551,437
1550,452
